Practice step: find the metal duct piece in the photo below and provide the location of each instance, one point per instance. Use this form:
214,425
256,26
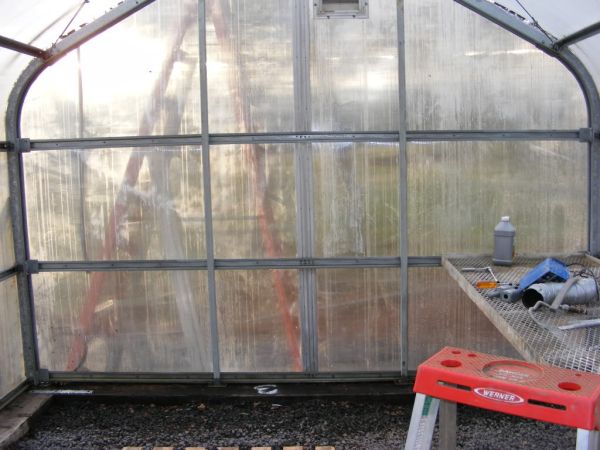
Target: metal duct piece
581,292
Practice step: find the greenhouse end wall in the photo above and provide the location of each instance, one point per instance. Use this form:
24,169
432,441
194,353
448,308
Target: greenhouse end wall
166,247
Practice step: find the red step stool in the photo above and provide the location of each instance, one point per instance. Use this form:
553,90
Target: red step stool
541,392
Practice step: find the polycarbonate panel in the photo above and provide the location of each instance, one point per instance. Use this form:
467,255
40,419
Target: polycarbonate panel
557,17
259,328
464,72
459,190
123,321
588,51
140,77
354,71
358,319
254,201
440,314
115,204
12,369
250,66
7,250
356,203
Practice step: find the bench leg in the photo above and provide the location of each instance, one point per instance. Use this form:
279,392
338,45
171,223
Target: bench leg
422,423
588,440
447,425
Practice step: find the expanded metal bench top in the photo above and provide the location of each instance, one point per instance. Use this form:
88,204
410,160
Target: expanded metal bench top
538,340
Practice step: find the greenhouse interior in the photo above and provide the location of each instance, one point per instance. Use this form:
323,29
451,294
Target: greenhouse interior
218,193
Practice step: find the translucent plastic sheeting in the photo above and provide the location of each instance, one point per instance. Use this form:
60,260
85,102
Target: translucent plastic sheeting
354,71
254,201
127,321
464,72
7,252
259,329
588,51
356,199
557,17
250,66
115,204
140,77
440,313
459,190
358,319
12,370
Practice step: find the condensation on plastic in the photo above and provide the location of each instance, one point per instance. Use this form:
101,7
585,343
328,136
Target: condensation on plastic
250,66
140,77
115,204
254,201
12,370
459,191
354,71
464,72
356,199
7,252
588,51
142,321
259,329
440,313
358,319
557,17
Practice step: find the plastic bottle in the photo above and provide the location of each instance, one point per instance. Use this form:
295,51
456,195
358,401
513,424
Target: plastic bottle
504,242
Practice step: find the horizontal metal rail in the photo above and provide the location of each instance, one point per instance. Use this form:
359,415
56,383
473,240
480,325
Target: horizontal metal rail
13,394
583,134
206,377
230,264
6,274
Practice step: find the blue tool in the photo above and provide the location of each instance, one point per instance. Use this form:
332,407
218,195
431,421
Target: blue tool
550,269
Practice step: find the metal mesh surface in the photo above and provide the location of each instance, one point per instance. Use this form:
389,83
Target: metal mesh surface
535,334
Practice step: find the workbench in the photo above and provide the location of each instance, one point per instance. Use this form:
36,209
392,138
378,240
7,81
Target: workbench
535,335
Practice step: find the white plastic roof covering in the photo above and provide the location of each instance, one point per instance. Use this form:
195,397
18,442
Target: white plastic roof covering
41,23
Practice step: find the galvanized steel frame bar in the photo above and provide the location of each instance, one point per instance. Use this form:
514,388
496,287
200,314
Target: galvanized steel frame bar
231,264
304,185
403,188
207,191
9,273
578,36
582,135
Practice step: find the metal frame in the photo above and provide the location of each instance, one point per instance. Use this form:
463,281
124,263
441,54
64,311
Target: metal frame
305,264
580,35
582,135
21,47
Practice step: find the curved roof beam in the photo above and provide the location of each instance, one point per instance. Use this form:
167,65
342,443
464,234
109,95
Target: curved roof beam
504,18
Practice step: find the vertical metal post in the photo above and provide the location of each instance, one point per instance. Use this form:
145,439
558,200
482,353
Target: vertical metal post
304,184
17,210
403,207
208,225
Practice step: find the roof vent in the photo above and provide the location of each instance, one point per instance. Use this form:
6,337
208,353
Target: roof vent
341,9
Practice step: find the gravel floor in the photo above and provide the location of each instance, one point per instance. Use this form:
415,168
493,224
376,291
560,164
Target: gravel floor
380,424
